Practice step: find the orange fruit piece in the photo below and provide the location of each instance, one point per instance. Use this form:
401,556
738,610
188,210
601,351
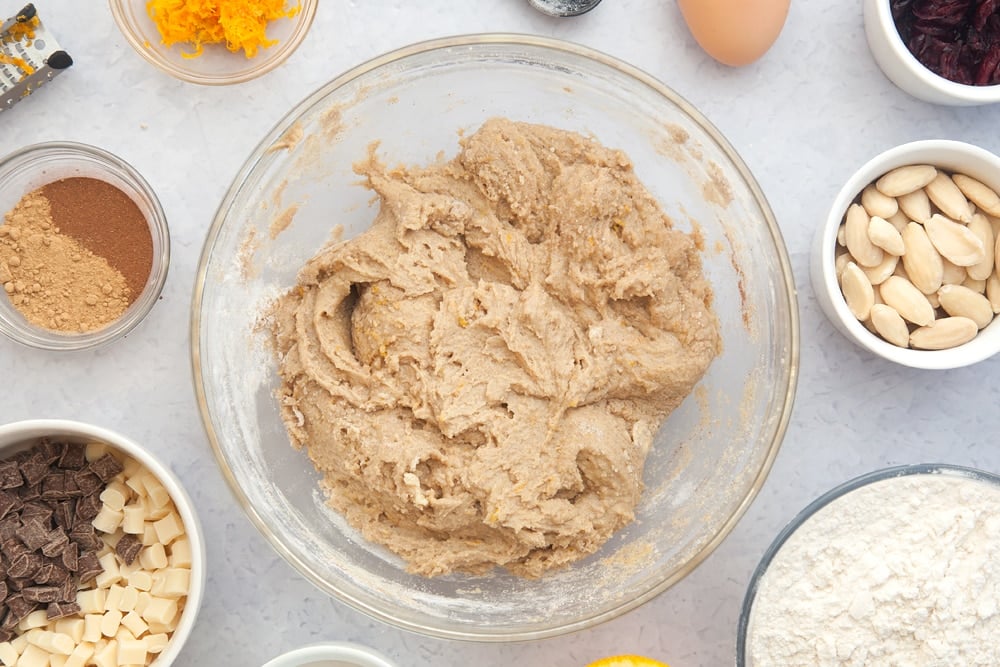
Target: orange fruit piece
628,661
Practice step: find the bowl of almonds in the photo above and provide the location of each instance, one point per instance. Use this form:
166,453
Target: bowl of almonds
103,557
905,264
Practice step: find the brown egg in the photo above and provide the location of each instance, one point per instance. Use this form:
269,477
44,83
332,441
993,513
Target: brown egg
735,32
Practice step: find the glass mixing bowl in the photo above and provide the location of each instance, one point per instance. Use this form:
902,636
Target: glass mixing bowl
708,460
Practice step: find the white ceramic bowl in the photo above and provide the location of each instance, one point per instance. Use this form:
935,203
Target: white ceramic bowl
904,70
21,435
331,654
952,156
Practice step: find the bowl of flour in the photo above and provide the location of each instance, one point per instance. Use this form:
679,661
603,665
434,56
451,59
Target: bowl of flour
895,567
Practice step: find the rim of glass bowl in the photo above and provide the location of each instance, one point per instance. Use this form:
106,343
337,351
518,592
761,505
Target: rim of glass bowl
36,157
282,51
790,367
822,501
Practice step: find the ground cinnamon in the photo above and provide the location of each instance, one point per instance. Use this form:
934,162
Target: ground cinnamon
106,222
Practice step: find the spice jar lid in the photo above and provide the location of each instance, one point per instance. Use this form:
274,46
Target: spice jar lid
84,246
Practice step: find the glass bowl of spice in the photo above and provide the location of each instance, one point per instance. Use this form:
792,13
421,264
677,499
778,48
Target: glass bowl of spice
214,43
84,246
938,51
895,567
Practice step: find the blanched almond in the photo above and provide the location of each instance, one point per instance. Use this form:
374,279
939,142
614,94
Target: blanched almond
944,333
890,325
915,205
903,180
921,260
899,221
841,262
857,291
884,235
907,300
981,195
993,292
960,301
876,203
877,274
977,286
983,230
943,192
861,247
954,241
842,235
953,273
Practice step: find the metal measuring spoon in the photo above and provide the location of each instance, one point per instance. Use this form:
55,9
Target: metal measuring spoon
564,7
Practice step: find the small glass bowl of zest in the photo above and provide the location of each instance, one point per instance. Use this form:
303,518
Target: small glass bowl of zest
896,566
84,246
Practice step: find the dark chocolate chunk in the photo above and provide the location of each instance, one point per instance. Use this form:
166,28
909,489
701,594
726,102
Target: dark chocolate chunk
51,573
87,482
128,548
8,502
13,547
64,515
67,590
20,566
88,507
20,607
17,583
36,509
71,488
61,609
51,451
71,556
106,467
55,546
33,534
8,528
41,593
34,470
3,590
89,566
6,635
10,475
84,535
74,457
33,492
54,486
10,620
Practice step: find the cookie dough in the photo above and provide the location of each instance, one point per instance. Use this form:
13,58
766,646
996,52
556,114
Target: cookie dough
480,374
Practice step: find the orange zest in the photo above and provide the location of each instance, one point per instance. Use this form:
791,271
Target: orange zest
239,24
627,661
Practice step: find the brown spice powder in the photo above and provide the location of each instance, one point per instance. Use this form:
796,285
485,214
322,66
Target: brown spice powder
105,221
53,280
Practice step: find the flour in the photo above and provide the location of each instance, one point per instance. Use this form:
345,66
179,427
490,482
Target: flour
900,572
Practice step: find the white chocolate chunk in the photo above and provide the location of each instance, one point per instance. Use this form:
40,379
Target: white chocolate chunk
140,580
107,520
115,496
156,643
91,601
168,528
51,642
154,557
20,643
8,655
176,582
133,621
114,597
180,552
92,627
33,656
134,519
56,660
131,652
106,656
95,450
72,626
129,597
148,535
111,573
160,610
80,655
36,619
110,622
132,467
157,493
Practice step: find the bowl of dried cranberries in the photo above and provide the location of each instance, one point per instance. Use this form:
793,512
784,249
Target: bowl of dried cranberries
940,51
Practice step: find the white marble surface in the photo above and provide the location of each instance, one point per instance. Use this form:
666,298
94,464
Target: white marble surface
803,117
